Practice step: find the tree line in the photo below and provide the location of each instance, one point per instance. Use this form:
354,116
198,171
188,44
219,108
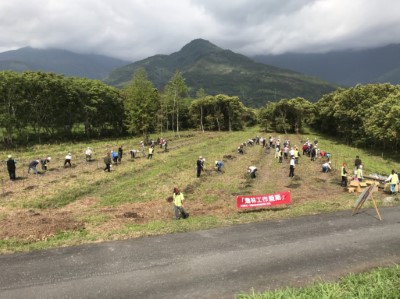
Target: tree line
37,107
363,115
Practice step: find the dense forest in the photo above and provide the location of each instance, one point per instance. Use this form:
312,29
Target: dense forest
38,107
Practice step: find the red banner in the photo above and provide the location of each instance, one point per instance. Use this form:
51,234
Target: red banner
266,200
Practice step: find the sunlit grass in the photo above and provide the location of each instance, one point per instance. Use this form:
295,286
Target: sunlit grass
378,283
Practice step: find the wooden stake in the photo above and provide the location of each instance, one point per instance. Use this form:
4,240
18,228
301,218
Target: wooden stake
376,208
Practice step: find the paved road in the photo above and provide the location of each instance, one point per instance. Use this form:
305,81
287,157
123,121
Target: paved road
217,263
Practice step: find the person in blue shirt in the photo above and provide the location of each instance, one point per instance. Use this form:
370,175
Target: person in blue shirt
219,165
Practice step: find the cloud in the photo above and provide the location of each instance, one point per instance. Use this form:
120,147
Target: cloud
136,29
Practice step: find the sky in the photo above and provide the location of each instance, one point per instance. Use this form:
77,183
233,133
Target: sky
136,29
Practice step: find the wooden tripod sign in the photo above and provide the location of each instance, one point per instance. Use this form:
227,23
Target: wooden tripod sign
367,193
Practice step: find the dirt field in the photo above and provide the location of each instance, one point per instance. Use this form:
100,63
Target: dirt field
18,222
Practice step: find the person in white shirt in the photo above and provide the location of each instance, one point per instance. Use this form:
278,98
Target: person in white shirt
326,167
252,170
291,167
68,158
88,154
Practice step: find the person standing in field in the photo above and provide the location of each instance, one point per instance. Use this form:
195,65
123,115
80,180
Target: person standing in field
11,167
343,173
88,154
151,151
291,167
393,180
199,166
120,152
359,173
107,161
178,204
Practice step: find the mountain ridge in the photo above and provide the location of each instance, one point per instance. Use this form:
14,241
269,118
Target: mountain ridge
60,61
217,70
346,67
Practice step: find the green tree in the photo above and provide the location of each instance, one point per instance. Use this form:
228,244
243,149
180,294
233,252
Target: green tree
141,104
176,90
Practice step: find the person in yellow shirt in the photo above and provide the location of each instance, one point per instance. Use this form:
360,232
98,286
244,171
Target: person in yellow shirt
178,204
359,173
393,180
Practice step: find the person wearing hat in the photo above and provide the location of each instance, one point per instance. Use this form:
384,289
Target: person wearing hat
11,167
88,154
252,171
291,166
178,204
199,166
326,167
219,165
43,163
68,158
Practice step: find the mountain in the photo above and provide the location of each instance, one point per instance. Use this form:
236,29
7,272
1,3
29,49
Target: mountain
59,61
205,65
378,65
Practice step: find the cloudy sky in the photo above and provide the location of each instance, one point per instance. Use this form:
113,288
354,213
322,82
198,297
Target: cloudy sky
136,29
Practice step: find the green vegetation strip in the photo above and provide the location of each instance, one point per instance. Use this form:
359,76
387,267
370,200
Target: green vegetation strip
379,283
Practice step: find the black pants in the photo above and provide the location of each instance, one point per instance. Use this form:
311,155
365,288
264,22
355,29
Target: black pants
344,181
67,161
107,168
291,171
12,174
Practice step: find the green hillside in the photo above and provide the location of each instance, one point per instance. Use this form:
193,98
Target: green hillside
207,66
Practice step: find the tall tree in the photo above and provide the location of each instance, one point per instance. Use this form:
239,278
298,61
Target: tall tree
141,104
176,90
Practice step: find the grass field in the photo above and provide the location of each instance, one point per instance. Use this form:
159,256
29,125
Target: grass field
378,283
84,204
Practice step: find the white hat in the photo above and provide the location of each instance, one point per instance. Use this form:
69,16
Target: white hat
329,162
49,158
9,156
216,162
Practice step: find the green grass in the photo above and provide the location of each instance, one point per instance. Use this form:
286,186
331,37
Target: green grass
378,283
143,181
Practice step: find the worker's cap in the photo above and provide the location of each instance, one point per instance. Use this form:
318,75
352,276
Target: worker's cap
9,156
201,157
69,154
329,162
49,158
216,162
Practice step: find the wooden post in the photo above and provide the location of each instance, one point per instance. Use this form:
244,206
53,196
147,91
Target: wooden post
376,208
